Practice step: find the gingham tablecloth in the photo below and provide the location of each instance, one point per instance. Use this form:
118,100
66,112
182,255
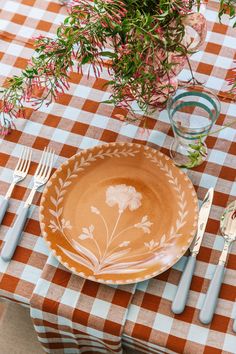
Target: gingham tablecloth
78,121
77,314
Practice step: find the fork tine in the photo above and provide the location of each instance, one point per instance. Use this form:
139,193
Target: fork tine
23,167
47,164
50,164
44,169
21,159
41,162
29,161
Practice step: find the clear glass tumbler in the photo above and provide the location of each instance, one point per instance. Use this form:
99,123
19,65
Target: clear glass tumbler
192,112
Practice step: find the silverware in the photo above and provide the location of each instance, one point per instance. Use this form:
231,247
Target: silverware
181,295
234,325
228,231
19,174
41,176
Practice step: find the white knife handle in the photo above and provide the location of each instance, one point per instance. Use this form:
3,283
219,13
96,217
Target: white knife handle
181,295
211,298
4,202
13,236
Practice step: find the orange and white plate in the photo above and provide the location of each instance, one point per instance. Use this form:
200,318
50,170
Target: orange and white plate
119,213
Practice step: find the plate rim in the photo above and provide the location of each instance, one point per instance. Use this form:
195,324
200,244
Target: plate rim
110,281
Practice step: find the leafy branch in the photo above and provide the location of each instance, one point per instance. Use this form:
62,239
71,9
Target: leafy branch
125,36
197,152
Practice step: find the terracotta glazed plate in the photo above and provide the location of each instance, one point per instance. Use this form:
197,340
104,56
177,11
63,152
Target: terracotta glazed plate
119,213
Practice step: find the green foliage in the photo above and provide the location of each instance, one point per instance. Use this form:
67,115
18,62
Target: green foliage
228,7
196,154
136,37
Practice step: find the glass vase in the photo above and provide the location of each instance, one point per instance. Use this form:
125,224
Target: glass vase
192,112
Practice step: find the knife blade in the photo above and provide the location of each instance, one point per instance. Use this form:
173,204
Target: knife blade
180,299
202,221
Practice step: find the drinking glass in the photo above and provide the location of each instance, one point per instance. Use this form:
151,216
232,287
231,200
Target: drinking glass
192,112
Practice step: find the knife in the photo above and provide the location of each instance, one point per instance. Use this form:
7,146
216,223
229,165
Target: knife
181,295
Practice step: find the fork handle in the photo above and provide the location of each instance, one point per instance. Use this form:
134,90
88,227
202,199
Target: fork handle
30,198
3,207
14,235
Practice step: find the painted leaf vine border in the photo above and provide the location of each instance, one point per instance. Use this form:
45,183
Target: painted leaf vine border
154,249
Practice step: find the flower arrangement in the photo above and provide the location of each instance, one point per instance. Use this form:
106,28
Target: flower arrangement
124,36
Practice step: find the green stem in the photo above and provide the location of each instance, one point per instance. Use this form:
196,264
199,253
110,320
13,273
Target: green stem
220,129
197,153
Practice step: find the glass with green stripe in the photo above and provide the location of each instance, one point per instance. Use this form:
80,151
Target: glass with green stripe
192,112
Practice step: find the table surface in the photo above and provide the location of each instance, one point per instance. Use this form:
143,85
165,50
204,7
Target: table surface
79,121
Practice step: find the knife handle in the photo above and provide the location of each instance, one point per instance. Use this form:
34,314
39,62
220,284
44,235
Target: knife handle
212,294
181,295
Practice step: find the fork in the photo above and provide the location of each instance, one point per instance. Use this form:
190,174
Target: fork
19,174
41,177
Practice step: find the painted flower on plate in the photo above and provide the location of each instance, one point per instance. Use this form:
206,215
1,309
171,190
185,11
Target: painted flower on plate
65,224
151,244
95,210
124,196
87,232
53,226
144,224
124,244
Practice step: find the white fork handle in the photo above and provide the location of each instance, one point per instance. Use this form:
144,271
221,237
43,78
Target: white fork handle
14,235
4,202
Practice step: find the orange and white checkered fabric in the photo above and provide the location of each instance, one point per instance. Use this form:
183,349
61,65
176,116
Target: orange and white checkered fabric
77,121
